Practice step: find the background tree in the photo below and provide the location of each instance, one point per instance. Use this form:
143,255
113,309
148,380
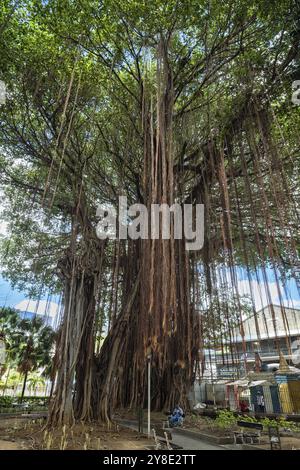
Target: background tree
35,381
32,347
9,325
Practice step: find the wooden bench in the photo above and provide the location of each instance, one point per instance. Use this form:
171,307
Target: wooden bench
163,439
246,436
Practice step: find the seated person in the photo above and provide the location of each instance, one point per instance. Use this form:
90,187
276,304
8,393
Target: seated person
176,418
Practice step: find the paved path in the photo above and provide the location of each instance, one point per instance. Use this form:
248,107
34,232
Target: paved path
187,442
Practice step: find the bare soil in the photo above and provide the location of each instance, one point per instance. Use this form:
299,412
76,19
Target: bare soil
25,434
205,425
287,443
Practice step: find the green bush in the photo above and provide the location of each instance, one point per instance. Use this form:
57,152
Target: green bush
248,419
6,402
31,402
280,423
225,419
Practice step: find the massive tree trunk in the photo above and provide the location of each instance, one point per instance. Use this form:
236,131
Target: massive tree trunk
157,318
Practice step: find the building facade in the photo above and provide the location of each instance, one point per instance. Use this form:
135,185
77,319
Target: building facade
273,330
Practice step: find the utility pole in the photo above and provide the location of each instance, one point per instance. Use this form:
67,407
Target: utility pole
149,395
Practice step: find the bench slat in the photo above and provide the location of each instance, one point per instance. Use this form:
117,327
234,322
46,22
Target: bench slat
247,424
161,433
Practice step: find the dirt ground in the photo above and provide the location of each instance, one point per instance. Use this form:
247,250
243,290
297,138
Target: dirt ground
191,421
5,445
287,443
156,416
203,424
25,434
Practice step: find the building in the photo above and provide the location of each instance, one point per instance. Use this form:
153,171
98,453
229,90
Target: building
272,330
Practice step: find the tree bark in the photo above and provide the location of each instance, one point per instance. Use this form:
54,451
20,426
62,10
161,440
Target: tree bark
24,386
157,317
81,271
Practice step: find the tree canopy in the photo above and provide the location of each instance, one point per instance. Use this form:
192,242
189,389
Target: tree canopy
186,101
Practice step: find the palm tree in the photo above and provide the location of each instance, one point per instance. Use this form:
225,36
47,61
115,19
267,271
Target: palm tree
9,325
32,347
34,381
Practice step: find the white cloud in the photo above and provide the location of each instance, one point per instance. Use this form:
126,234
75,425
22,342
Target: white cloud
263,295
41,308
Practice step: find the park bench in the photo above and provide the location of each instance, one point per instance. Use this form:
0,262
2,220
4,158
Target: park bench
245,435
163,439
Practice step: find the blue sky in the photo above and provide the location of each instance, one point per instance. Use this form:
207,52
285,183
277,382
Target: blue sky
8,296
13,298
289,293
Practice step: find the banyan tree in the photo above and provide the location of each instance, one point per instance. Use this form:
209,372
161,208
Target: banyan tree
164,103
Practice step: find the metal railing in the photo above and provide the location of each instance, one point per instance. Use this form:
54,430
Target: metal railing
239,357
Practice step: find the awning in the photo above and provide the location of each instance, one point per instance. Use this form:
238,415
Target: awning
257,382
239,383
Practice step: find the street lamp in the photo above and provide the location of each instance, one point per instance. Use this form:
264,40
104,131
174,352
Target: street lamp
149,392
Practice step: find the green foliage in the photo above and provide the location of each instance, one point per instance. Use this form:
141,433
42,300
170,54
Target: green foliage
10,380
9,322
281,423
6,402
29,342
34,381
110,46
91,149
225,419
33,344
247,418
9,404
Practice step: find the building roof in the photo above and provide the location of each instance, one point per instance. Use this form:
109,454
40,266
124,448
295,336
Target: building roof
262,325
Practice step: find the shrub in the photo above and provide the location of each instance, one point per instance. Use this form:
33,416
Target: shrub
31,402
280,422
225,419
6,402
247,418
